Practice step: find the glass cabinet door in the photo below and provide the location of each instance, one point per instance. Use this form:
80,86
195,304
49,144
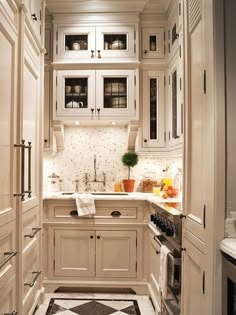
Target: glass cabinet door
75,93
75,43
153,109
115,92
115,42
152,43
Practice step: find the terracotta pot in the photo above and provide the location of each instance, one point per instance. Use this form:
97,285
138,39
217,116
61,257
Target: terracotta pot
128,185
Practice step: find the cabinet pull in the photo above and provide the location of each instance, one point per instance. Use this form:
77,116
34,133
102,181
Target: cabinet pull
92,53
157,252
98,237
145,140
11,254
45,140
145,51
99,54
29,191
37,273
34,17
74,213
157,240
12,313
34,232
203,282
92,110
98,110
115,213
22,146
91,236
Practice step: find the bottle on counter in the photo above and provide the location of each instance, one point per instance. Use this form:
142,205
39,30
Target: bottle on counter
118,184
166,178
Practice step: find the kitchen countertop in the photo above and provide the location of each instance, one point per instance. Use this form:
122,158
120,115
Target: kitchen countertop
135,196
228,246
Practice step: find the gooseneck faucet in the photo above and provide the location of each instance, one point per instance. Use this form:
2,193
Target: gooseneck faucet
95,180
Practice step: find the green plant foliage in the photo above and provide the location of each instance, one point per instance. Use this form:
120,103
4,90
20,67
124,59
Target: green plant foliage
130,159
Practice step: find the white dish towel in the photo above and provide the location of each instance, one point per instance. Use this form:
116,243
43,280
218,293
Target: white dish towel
163,276
85,204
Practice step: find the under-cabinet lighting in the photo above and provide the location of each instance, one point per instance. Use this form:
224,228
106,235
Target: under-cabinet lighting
77,123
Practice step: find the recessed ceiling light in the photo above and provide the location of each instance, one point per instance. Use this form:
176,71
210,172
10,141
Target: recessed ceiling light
114,123
77,122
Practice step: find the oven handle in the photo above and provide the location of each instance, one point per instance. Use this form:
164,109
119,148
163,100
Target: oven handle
156,239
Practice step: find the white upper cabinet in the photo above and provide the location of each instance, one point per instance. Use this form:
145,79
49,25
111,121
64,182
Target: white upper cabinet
95,94
34,16
153,46
94,43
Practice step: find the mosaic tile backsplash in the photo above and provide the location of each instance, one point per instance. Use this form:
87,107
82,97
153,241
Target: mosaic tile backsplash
107,144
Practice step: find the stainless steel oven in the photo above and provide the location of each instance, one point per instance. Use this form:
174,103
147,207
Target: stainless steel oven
168,222
229,285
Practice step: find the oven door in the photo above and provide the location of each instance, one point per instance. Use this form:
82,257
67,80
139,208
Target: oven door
229,285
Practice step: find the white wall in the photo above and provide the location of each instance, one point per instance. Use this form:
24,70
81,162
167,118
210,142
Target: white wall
108,144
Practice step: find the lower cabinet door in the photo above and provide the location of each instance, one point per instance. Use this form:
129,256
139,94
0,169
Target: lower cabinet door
8,297
155,269
193,288
116,254
74,253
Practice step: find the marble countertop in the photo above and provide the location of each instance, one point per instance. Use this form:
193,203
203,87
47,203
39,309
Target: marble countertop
228,246
135,196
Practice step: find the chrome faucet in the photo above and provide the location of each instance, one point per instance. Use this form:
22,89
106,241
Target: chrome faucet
95,179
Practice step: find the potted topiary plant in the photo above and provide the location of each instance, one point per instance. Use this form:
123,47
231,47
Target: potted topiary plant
129,159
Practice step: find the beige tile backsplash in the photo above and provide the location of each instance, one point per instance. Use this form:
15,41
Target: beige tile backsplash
108,144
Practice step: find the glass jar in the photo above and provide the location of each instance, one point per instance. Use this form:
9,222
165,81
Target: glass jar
149,181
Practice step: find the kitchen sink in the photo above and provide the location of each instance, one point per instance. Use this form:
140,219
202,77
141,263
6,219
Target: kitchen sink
98,193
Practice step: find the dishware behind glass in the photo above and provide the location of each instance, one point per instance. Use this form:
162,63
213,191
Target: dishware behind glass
68,89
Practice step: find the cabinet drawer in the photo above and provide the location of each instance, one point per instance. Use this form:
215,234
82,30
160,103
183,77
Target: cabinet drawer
31,272
8,297
7,251
115,213
31,228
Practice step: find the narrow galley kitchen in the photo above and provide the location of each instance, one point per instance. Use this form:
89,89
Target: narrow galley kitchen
115,185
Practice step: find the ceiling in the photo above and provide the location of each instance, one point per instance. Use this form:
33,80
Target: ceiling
94,6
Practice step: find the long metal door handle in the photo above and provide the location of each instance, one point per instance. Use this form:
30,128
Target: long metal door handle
10,255
22,146
37,273
156,239
29,147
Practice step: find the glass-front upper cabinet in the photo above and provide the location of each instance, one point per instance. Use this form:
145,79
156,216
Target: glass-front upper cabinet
94,43
72,97
153,42
95,94
153,109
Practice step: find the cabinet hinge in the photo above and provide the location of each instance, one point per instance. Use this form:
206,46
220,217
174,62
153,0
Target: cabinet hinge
40,30
56,105
54,241
56,81
56,36
180,84
169,135
54,264
169,48
179,8
203,282
204,216
165,136
164,36
136,243
135,80
164,80
180,52
56,49
164,49
204,81
40,15
136,266
134,34
135,104
169,80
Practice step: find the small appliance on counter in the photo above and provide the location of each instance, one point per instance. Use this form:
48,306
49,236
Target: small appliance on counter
54,183
149,181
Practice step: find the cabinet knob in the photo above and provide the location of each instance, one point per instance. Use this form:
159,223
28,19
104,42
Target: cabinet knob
145,51
98,237
92,110
34,17
45,140
157,252
92,53
98,110
145,140
91,236
99,53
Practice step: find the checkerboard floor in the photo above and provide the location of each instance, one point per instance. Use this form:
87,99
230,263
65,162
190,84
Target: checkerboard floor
95,304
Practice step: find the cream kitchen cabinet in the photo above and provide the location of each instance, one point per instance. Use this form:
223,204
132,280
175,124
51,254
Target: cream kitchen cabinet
94,42
99,254
34,12
152,135
194,280
153,42
175,104
95,94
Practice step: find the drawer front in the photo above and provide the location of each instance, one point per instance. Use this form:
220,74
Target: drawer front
111,213
7,251
31,272
31,228
8,297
